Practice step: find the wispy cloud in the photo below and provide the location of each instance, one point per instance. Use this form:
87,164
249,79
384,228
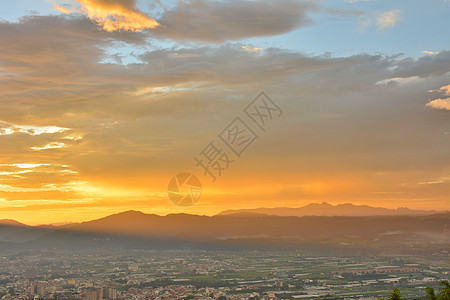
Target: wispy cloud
52,145
388,19
6,128
382,20
400,80
429,52
251,49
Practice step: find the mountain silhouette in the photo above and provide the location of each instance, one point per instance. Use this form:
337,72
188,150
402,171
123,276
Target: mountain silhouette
137,230
11,222
326,209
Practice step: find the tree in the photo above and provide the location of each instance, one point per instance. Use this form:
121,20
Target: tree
443,295
445,290
396,295
430,293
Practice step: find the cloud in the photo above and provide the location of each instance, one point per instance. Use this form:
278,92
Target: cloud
194,20
400,80
423,66
24,165
382,20
113,15
251,49
6,128
429,52
49,175
388,19
203,21
445,89
52,145
63,9
440,104
219,21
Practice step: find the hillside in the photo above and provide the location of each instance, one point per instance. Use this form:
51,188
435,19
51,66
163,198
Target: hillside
326,209
372,234
137,230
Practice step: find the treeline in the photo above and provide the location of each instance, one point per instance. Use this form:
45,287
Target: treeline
444,293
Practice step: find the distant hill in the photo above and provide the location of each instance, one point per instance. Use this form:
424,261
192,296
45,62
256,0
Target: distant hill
372,234
326,209
13,231
11,222
346,234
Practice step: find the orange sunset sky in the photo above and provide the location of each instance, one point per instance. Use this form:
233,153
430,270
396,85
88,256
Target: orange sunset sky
103,102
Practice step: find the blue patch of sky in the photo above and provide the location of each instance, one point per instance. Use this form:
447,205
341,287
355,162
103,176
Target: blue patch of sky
12,11
124,54
423,26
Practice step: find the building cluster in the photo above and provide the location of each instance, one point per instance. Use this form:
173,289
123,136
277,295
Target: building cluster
380,270
208,275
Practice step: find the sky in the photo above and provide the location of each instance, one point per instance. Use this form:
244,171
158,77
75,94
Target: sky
103,103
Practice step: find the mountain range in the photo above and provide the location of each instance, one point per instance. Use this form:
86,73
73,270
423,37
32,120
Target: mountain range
326,209
137,230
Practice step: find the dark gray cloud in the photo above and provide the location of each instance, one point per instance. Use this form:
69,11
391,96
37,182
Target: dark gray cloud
220,21
438,64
